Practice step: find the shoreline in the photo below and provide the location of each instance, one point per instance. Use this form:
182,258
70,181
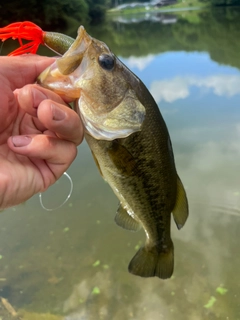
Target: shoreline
126,12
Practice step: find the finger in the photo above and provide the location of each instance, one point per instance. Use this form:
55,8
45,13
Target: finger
27,67
8,107
30,96
57,154
61,120
32,99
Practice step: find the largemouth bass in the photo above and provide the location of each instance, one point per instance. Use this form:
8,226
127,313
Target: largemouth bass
130,144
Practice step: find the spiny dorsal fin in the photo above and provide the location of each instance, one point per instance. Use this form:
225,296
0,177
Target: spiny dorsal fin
180,211
124,220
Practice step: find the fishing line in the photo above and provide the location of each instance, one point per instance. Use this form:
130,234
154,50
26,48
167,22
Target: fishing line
62,204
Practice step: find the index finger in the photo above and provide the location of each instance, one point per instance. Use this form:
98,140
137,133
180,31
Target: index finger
50,113
61,120
21,70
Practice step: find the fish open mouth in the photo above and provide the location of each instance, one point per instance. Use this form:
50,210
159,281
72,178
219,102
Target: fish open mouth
65,72
86,73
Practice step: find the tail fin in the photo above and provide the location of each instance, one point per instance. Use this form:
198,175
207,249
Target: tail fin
152,262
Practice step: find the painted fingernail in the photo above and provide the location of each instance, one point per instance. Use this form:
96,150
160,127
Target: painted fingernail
21,141
58,114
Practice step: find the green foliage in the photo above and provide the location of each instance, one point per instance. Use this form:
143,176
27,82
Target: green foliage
53,13
223,2
214,31
97,9
115,3
217,32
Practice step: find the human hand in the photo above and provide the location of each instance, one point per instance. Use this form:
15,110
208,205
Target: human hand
39,133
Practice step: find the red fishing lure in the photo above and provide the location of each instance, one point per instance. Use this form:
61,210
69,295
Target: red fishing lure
23,30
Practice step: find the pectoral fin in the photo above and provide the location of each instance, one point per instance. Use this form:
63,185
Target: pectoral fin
180,211
124,220
122,159
97,164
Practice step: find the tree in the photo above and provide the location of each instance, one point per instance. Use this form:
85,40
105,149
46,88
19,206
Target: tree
97,9
54,13
223,2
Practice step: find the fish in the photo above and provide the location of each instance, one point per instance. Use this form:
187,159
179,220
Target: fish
130,144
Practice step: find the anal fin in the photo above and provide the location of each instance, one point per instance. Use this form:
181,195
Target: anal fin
180,211
124,220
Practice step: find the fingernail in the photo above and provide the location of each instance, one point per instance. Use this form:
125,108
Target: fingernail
58,114
21,141
38,97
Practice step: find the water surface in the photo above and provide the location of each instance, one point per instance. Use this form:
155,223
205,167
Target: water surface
73,261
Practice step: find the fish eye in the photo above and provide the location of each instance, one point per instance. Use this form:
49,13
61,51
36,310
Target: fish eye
106,61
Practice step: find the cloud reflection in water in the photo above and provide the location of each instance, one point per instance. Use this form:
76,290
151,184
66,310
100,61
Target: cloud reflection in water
179,87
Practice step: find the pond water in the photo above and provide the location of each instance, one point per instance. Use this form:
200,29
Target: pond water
72,262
